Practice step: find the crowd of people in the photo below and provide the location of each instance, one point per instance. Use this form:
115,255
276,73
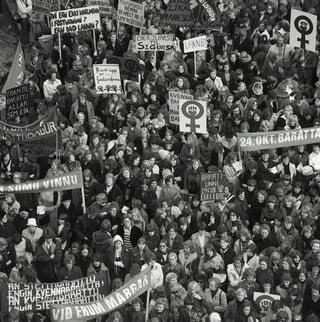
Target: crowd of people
142,175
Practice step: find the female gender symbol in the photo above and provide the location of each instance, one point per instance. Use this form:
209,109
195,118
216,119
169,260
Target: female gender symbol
192,110
303,25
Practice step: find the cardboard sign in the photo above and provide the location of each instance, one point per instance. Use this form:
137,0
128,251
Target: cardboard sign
45,6
129,291
212,186
264,301
154,42
17,102
193,116
131,13
303,30
74,20
38,297
107,79
277,139
173,103
177,14
104,5
129,67
195,44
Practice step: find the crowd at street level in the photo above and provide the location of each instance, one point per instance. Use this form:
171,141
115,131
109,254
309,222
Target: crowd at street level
142,176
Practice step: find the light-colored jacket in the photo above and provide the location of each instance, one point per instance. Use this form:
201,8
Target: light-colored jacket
234,276
24,8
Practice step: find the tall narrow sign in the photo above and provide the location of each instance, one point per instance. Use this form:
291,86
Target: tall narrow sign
17,102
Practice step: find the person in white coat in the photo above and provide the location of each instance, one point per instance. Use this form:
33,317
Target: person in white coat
156,271
24,10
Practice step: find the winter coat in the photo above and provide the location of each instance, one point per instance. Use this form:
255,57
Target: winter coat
65,275
116,271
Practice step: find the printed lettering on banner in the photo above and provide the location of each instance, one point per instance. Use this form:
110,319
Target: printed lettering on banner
195,44
45,6
104,5
74,20
17,102
131,13
107,79
173,103
154,42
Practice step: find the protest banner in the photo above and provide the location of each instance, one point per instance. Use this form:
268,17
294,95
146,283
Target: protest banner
74,20
177,14
303,30
104,5
45,6
67,181
173,103
277,139
161,42
38,297
107,79
264,300
131,13
17,102
129,67
212,185
40,129
203,12
193,116
195,44
129,291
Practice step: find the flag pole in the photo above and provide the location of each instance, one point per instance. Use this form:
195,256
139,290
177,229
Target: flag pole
147,305
83,200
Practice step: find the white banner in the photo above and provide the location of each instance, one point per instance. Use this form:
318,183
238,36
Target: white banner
173,103
74,20
195,44
154,42
193,116
131,13
107,79
303,30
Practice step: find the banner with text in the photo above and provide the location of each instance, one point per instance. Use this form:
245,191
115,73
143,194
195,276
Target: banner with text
129,291
131,13
177,14
277,139
38,297
40,129
106,8
45,6
204,12
107,79
74,20
17,102
173,103
154,42
195,44
212,185
67,181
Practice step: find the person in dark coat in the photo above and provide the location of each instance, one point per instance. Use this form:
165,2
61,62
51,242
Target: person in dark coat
48,256
130,234
68,208
69,271
7,229
114,46
83,259
174,240
86,225
235,306
111,189
265,238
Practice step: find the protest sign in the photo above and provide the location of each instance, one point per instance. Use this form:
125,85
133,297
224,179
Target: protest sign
212,186
67,181
277,139
17,102
45,6
203,12
107,79
44,128
131,13
264,300
129,291
195,44
173,103
193,116
129,67
74,20
177,14
38,297
161,42
303,30
104,5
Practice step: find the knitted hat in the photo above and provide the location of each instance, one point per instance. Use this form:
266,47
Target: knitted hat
117,238
99,237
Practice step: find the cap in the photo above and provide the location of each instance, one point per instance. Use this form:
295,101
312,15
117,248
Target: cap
32,222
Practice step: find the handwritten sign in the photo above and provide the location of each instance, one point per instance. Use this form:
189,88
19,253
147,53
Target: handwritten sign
106,8
212,186
107,79
195,44
131,13
154,42
74,20
193,116
45,6
173,103
178,14
17,102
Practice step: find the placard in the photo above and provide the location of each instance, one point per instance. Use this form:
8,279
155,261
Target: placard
45,6
74,20
107,79
173,103
131,13
195,44
177,14
193,116
264,300
303,30
203,12
38,297
154,42
17,102
104,5
212,185
129,67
